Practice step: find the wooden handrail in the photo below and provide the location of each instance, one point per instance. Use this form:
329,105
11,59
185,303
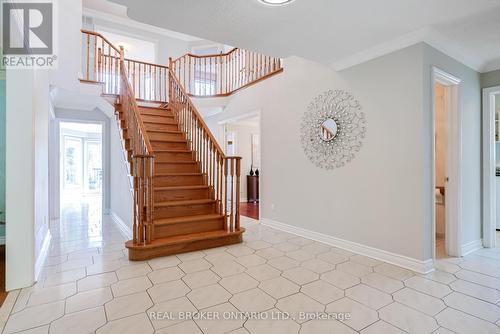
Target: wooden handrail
94,33
223,74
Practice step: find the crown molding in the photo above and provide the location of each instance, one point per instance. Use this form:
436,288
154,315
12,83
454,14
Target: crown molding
426,35
138,25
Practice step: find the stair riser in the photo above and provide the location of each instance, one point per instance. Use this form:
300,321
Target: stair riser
162,231
177,168
165,136
166,145
184,210
174,156
181,194
139,254
156,112
161,127
184,180
158,119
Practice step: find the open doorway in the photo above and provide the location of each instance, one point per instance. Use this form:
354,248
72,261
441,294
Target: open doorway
446,165
491,166
81,167
242,138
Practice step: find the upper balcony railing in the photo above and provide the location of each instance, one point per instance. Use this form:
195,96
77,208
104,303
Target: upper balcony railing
223,74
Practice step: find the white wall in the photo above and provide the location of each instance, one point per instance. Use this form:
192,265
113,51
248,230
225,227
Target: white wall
391,195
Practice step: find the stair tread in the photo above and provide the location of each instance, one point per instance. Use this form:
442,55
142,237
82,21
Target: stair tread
165,131
173,151
185,219
179,239
177,162
182,187
169,140
177,174
151,107
185,202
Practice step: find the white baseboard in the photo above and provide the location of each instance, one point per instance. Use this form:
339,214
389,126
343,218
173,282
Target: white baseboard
126,231
472,246
43,254
419,266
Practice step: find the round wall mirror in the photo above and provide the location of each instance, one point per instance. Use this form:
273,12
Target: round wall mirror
329,129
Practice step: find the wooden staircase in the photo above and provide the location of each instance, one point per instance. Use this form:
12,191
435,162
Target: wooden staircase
186,190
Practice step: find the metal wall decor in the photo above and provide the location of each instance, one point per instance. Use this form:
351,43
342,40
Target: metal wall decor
332,129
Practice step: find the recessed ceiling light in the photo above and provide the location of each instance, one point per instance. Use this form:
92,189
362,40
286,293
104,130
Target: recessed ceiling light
276,2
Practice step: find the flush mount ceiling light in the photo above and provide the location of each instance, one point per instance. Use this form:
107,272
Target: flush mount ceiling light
276,2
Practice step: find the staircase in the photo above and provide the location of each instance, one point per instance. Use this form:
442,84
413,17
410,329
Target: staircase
186,190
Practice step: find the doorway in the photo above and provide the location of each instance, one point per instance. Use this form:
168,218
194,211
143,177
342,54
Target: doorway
491,165
445,192
81,167
242,138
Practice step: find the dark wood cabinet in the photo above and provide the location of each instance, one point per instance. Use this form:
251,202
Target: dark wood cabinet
252,188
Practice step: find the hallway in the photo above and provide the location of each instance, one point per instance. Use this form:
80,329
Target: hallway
89,286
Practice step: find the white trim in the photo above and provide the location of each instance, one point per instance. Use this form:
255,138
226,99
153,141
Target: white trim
472,246
124,228
489,164
419,266
2,240
137,25
43,254
453,222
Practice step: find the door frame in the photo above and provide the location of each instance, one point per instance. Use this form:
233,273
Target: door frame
489,164
453,198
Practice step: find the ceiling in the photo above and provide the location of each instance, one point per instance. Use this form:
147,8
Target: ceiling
340,33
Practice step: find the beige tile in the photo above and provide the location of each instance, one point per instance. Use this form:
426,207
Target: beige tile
34,316
407,318
477,291
130,286
168,290
446,266
165,275
37,330
297,304
251,260
300,241
51,294
239,331
258,244
333,257
88,299
318,266
316,248
219,258
81,322
96,281
195,265
226,322
228,269
269,253
169,313
300,275
419,301
364,260
186,327
393,271
283,263
128,305
263,272
382,327
322,292
271,324
442,330
463,323
360,317
300,255
286,247
164,262
104,267
369,296
254,300
200,278
64,277
478,278
208,296
279,287
185,257
340,279
136,324
355,269
135,270
440,276
325,327
473,306
429,287
239,250
238,283
382,282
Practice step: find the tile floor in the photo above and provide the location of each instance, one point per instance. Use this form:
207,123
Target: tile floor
89,286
